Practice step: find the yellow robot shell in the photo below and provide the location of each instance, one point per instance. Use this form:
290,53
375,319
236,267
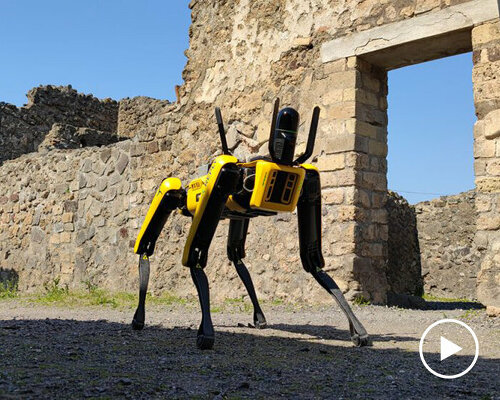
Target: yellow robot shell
233,205
211,179
270,197
310,167
165,186
195,188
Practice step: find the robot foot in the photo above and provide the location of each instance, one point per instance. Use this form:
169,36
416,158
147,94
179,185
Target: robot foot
204,342
259,320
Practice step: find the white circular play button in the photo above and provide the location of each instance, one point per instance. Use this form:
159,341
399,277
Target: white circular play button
448,348
457,346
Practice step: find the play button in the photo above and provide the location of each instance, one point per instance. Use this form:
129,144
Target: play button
449,348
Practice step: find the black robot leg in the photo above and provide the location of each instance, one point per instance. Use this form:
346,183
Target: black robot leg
205,336
309,214
236,251
140,313
197,249
169,202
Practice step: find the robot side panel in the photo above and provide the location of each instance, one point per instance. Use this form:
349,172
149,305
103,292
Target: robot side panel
277,187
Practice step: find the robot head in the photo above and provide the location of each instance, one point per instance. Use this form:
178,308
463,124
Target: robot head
283,135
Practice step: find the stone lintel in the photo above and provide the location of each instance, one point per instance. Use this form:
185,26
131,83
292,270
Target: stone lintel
409,39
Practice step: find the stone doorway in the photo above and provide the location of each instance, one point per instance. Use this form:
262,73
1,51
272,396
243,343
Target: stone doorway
471,26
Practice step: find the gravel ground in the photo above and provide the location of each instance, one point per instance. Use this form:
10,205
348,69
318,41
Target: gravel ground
51,352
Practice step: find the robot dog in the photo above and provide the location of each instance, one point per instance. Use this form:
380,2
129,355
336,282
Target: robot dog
240,191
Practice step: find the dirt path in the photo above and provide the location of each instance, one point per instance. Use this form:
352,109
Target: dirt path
49,352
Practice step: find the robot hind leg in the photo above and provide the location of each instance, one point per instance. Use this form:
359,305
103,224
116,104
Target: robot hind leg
236,251
309,214
168,197
205,221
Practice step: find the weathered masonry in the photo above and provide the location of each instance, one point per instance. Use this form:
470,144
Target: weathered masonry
72,210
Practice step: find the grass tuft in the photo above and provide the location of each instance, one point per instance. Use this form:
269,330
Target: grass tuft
361,301
8,289
430,297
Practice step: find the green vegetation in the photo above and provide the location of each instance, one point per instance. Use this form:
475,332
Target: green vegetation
55,293
469,314
430,297
361,301
8,289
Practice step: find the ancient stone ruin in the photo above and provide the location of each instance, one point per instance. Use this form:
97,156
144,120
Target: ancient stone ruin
77,173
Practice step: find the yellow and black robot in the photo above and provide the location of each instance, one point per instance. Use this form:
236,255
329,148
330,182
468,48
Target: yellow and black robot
240,191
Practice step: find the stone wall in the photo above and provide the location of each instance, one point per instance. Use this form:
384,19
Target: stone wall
404,269
486,70
23,129
450,259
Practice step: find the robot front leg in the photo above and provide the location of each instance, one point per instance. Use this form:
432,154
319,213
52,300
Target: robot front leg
236,251
309,214
168,197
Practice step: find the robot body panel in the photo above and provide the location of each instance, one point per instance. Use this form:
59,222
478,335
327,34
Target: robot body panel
277,187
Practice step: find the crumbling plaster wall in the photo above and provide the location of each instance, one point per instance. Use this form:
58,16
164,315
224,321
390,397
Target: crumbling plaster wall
23,129
242,55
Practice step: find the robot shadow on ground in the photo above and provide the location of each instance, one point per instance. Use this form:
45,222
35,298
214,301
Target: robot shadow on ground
329,333
47,358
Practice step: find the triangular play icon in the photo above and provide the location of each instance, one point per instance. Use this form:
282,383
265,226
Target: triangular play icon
448,348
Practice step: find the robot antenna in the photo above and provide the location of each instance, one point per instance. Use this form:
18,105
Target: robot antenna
312,137
273,127
220,124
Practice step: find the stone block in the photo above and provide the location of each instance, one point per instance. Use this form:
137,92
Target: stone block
423,6
332,96
366,129
374,181
488,184
492,125
363,198
344,80
65,237
493,167
331,162
333,196
122,163
342,110
485,33
377,148
67,217
338,143
346,213
338,178
480,166
483,203
488,222
334,66
302,42
493,311
484,148
379,216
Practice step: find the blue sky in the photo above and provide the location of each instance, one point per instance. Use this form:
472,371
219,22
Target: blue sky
125,48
